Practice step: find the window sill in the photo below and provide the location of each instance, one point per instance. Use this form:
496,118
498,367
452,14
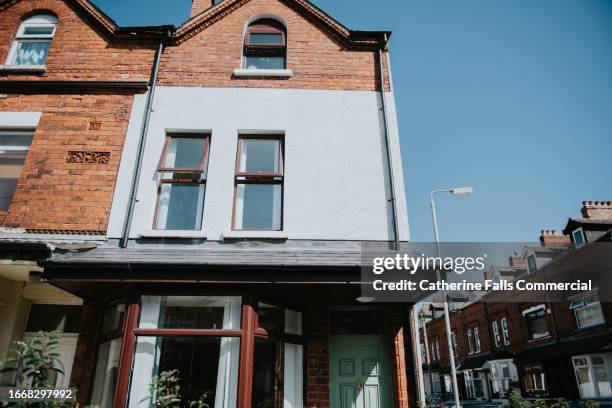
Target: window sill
255,235
278,73
172,234
19,69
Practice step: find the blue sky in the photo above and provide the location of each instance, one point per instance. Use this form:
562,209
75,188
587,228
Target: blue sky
512,97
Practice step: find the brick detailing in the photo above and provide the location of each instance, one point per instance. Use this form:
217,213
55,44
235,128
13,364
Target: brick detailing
80,50
317,359
73,197
400,382
83,367
317,59
85,156
551,238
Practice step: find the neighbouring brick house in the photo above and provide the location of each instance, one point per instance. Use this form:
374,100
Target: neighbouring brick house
558,348
68,77
211,218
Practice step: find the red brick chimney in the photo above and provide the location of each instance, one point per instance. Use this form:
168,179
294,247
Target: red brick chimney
550,238
517,260
198,6
599,210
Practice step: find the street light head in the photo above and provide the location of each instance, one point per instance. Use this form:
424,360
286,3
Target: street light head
462,191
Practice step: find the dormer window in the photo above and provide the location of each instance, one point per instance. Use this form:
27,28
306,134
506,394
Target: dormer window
265,45
32,42
578,237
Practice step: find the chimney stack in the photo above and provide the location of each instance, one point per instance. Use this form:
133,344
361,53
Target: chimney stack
198,6
550,238
599,210
517,261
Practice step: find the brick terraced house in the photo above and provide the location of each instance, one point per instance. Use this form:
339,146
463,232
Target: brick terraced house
547,349
204,191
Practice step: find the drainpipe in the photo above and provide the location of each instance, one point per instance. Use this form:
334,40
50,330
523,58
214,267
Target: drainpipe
388,142
143,138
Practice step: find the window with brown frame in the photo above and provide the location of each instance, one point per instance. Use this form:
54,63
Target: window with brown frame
265,45
182,185
259,179
221,350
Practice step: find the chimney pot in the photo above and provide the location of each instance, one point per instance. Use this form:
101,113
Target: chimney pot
601,210
549,237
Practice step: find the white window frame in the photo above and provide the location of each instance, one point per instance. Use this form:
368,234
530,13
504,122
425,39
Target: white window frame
477,338
470,342
455,346
591,370
8,149
39,21
585,300
505,331
495,329
579,231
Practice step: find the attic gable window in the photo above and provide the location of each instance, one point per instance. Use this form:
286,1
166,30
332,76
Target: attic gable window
32,42
265,45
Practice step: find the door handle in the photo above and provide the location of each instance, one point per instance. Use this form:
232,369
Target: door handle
359,384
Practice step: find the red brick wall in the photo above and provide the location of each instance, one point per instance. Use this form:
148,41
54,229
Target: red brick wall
317,359
400,381
84,365
318,62
53,194
78,50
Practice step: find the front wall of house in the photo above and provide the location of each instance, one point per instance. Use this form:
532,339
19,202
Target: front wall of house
318,61
79,50
68,178
335,172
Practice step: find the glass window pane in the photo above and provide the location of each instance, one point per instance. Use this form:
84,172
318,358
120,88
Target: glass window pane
180,206
265,38
206,370
271,317
185,153
15,140
265,62
268,372
113,318
258,206
106,374
32,53
38,30
260,156
61,318
7,190
190,312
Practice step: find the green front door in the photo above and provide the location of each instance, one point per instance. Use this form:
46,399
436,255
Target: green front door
359,372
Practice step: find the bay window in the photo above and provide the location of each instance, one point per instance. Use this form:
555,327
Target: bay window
14,147
182,185
32,42
259,183
209,346
593,375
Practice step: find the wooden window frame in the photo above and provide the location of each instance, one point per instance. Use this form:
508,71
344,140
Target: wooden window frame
249,330
161,169
265,26
260,178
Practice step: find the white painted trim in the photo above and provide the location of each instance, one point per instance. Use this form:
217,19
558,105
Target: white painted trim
172,234
532,309
19,120
36,69
281,73
255,234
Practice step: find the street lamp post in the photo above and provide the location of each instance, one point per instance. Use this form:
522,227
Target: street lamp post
451,352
